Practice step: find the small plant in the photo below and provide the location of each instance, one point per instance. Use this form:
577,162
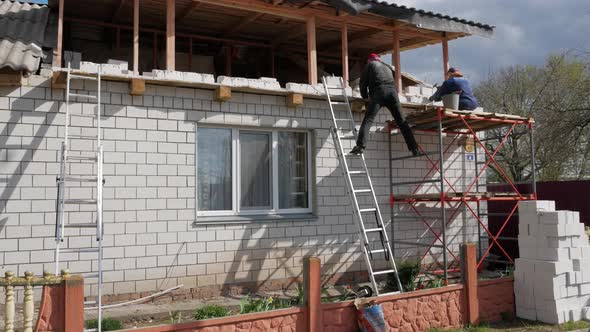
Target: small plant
108,324
211,311
248,304
408,272
175,317
300,295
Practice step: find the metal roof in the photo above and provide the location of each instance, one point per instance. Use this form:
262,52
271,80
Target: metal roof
22,34
418,17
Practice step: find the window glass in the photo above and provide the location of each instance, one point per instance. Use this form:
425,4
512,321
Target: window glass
293,177
214,173
255,170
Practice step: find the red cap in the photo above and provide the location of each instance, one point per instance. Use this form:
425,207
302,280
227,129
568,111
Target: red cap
373,57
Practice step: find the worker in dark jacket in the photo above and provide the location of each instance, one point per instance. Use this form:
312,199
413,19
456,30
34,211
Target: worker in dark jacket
378,86
456,83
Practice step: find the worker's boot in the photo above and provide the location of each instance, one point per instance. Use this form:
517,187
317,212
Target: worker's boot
357,150
416,152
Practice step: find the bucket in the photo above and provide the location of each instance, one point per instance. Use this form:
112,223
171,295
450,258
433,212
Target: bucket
451,101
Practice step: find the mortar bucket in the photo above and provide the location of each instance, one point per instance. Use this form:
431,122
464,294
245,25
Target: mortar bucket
451,101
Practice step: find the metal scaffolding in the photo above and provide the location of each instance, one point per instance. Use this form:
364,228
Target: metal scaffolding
445,198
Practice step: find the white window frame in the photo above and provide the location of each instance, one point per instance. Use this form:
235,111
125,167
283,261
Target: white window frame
236,180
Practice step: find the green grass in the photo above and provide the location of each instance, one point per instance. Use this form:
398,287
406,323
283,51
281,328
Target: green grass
211,311
571,326
108,324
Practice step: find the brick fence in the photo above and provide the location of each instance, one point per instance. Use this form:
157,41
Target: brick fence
445,307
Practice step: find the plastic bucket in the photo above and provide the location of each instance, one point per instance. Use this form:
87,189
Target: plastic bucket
451,101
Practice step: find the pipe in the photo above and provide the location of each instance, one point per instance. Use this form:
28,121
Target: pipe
138,300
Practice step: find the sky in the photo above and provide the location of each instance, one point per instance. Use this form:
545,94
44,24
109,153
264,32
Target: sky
527,31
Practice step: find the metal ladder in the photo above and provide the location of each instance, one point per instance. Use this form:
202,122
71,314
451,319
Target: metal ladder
94,156
360,211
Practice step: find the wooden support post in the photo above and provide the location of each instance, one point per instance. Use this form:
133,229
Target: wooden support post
58,51
469,265
273,69
313,294
294,100
170,34
223,93
118,41
397,62
228,51
136,37
312,61
344,38
445,49
156,53
137,87
190,53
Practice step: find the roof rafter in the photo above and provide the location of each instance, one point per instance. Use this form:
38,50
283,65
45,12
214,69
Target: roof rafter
243,22
186,11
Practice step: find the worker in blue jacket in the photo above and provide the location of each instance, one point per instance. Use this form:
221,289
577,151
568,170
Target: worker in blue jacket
456,83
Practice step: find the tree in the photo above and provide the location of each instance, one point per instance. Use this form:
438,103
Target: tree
557,96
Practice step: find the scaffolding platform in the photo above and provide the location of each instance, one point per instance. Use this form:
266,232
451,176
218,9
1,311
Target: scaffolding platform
427,119
461,196
470,196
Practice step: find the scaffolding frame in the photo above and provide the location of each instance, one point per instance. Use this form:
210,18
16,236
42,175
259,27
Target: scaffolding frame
454,124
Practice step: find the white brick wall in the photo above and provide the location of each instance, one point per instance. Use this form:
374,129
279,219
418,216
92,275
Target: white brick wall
150,189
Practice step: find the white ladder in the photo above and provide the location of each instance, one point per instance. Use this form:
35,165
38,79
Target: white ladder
94,156
360,211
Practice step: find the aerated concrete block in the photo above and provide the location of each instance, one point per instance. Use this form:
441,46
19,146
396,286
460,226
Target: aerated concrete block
524,313
558,242
531,207
88,67
584,289
552,217
412,90
552,317
553,254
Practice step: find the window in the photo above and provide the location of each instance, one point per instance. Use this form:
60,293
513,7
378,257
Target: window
252,172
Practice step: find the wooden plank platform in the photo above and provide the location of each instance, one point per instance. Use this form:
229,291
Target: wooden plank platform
426,118
473,196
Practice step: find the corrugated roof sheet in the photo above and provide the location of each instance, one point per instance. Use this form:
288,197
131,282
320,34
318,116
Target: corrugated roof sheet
22,33
433,14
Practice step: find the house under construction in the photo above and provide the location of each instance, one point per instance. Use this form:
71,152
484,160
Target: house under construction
200,133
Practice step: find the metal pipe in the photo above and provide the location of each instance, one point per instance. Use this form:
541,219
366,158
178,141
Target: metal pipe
503,238
418,244
391,206
417,182
412,156
477,202
533,170
442,193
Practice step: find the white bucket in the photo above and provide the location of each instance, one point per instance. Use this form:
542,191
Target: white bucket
451,101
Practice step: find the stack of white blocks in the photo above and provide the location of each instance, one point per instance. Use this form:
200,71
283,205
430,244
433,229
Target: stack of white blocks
552,275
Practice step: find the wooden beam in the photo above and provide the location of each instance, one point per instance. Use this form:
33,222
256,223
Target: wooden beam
136,36
170,34
58,80
11,78
223,93
445,50
243,22
156,53
292,32
228,62
190,54
294,100
312,60
298,14
397,62
58,51
137,87
186,11
344,39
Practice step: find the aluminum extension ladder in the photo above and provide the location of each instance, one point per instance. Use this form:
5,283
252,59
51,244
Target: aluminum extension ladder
90,151
360,211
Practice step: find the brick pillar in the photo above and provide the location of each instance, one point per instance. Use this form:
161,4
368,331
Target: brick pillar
313,294
62,305
469,265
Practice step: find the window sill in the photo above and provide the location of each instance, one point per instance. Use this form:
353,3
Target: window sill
251,219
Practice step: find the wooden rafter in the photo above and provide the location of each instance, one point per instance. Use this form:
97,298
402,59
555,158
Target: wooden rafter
243,22
186,11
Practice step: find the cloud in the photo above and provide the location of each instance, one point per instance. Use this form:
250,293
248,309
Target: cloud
527,31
